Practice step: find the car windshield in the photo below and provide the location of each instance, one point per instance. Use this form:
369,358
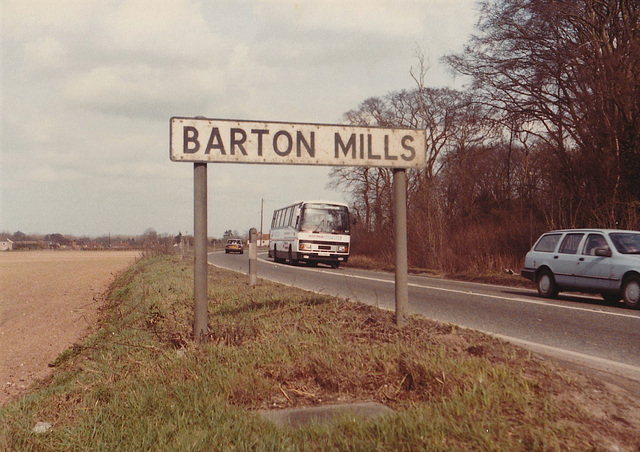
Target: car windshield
626,242
325,218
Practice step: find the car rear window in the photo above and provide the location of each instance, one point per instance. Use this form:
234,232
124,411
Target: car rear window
548,243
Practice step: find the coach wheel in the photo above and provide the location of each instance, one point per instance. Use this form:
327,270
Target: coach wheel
275,256
292,261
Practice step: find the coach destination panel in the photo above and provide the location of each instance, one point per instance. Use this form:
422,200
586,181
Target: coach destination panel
232,141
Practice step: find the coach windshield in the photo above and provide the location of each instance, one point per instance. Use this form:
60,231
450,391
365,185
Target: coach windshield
327,218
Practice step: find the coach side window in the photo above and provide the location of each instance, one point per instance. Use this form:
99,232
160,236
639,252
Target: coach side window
288,218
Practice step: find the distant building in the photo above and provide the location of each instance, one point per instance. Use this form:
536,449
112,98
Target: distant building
6,244
262,239
93,246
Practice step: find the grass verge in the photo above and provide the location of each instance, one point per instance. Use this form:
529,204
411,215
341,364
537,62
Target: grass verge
141,383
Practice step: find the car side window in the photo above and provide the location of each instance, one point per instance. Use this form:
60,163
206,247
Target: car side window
570,243
594,241
548,243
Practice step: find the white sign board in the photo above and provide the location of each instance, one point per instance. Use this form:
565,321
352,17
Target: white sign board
230,141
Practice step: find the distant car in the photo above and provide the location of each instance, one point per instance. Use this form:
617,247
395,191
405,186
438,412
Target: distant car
603,261
234,246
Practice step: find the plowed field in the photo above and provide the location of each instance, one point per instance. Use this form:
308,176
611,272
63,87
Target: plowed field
48,301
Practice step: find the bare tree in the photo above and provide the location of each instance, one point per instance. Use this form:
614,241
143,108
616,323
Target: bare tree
568,72
451,121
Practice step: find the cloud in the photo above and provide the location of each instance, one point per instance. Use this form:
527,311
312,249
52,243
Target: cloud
25,19
45,54
175,31
382,17
46,173
142,91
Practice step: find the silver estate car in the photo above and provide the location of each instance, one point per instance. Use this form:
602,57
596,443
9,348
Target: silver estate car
234,246
603,261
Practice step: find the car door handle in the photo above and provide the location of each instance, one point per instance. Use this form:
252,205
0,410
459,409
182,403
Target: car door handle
581,259
555,257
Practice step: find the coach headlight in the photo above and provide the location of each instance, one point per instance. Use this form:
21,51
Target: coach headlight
343,248
305,246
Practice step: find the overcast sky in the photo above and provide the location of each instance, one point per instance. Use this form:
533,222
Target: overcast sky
89,87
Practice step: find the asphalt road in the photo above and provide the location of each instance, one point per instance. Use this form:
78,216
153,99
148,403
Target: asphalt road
580,330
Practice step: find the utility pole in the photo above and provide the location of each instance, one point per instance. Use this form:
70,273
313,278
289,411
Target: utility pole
253,257
261,218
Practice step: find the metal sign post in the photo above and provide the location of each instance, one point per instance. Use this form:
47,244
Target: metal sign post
200,290
400,233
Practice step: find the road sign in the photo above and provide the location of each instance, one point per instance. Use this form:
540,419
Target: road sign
201,140
230,141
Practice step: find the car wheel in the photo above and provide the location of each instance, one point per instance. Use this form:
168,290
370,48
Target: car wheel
631,292
546,283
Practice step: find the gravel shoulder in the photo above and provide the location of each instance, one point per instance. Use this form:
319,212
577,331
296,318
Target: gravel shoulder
48,301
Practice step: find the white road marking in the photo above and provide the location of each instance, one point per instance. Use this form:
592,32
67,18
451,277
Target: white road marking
466,292
574,356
